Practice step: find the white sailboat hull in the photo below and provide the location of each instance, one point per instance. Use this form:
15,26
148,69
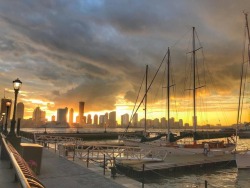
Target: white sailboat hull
243,160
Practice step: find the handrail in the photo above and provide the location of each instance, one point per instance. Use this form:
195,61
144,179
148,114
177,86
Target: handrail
23,172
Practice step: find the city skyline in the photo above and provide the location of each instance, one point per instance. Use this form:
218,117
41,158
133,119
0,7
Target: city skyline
97,53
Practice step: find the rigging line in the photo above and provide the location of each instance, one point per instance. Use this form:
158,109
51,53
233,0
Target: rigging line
178,40
132,114
150,83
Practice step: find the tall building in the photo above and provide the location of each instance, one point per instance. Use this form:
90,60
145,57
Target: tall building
20,110
106,119
112,119
102,120
53,118
71,116
62,115
124,119
81,112
37,116
89,119
43,116
135,120
95,119
4,108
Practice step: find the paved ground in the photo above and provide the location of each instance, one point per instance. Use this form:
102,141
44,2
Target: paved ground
7,175
58,172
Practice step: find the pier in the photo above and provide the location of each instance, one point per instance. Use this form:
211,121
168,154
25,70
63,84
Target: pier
175,164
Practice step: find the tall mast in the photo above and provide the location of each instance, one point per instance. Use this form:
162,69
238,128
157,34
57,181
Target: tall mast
248,36
241,79
146,93
194,84
168,93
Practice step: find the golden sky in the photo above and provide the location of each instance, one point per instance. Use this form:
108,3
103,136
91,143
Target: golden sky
96,51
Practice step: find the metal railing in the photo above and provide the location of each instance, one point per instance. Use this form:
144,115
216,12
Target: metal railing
24,174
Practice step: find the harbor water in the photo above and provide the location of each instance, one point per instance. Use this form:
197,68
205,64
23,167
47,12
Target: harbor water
220,176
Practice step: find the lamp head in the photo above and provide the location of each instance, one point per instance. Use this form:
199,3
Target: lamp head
8,104
17,84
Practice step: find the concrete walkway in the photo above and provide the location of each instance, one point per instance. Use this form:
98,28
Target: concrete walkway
59,172
7,175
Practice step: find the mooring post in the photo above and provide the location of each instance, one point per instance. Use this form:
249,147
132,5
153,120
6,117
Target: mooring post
143,168
88,159
104,164
205,183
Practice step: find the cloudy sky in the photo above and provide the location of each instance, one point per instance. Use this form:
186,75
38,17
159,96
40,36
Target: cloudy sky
96,51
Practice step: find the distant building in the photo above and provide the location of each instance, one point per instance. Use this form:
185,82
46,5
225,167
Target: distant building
20,110
112,119
71,116
156,122
163,122
106,119
135,120
102,120
53,118
4,108
62,115
95,119
124,119
89,119
81,112
43,116
36,117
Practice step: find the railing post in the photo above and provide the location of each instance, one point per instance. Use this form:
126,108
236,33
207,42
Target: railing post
104,164
143,168
205,183
88,159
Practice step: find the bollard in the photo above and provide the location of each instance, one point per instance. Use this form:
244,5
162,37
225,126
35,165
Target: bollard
205,183
104,164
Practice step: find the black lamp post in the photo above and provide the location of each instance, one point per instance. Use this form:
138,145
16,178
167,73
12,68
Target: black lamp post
3,114
6,119
16,85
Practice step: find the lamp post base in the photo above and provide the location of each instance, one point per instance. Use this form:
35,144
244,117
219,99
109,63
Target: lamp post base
15,141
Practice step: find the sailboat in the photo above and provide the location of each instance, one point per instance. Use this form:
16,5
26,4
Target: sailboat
170,146
243,157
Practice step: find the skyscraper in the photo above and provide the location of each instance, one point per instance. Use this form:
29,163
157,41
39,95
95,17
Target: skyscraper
112,119
62,115
89,119
71,116
20,110
124,119
81,112
37,116
95,119
135,120
3,106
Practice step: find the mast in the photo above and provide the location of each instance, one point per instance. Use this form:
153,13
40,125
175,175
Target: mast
146,93
194,84
241,79
168,93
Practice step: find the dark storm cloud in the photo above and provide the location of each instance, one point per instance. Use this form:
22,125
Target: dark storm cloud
95,50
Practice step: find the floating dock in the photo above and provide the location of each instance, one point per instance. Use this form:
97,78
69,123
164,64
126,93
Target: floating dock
175,163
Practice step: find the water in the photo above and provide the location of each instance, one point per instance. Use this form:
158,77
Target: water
219,177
